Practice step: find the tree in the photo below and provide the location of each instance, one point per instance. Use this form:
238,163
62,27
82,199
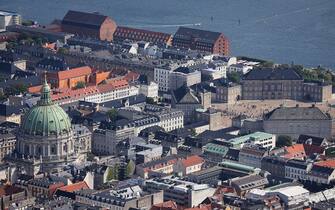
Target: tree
27,23
113,173
150,100
2,96
63,50
16,89
193,132
234,77
80,85
112,114
283,141
130,169
90,157
206,77
267,64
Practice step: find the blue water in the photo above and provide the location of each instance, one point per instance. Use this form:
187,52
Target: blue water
302,31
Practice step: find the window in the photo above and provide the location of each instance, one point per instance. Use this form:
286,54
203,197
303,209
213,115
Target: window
53,149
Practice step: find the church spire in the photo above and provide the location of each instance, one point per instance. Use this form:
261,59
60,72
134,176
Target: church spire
45,92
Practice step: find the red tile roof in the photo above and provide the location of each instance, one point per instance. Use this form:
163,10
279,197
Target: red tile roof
35,89
326,163
201,207
168,205
123,33
51,46
74,187
112,85
9,190
295,151
131,76
75,72
302,150
192,160
312,149
66,94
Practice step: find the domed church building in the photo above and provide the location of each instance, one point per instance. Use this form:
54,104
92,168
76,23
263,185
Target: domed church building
45,140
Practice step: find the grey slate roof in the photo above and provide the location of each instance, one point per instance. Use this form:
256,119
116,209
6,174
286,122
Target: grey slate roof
322,169
297,164
118,103
159,161
5,68
52,63
272,74
83,18
315,140
29,81
7,110
204,36
250,181
184,70
297,113
181,92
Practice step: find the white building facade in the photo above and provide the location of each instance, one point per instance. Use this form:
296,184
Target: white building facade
8,19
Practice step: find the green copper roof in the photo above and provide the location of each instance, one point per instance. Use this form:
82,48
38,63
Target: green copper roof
215,148
45,95
46,118
250,137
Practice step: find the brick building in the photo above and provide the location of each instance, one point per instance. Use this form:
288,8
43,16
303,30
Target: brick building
91,25
134,34
201,40
69,78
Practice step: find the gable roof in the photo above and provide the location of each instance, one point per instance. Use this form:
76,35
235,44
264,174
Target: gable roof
322,169
326,163
192,160
75,72
272,74
83,18
297,113
131,76
317,141
184,70
295,151
74,187
53,63
202,35
183,91
167,205
123,33
112,85
8,110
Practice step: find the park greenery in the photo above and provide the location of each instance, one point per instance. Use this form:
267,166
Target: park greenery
283,141
115,172
13,90
80,85
26,40
234,77
112,114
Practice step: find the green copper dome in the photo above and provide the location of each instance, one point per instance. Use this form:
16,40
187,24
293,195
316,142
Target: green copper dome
46,118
